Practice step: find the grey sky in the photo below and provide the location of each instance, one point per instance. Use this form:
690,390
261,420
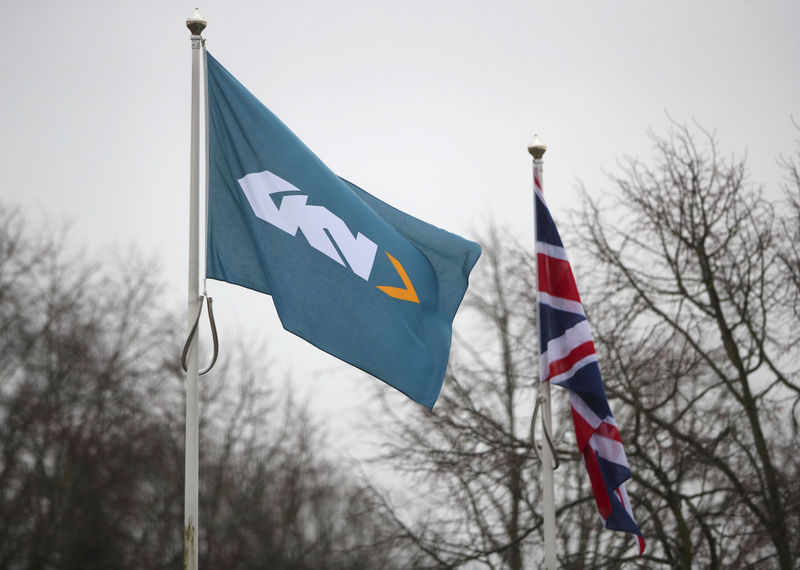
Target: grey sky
429,105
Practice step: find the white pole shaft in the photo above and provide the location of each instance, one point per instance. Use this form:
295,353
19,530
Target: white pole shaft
192,473
548,481
548,484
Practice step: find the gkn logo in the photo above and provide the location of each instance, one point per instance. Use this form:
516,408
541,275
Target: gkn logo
319,226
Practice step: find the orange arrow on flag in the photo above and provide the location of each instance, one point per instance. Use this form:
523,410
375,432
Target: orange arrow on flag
404,294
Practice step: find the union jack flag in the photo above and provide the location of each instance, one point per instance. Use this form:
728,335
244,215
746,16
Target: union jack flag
567,358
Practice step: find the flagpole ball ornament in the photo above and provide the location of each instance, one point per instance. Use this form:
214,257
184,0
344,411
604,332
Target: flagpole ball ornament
196,23
537,148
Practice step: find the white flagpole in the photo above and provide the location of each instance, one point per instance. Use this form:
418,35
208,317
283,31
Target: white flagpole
196,24
537,149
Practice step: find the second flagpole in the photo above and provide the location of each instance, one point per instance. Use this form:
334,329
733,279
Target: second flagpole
537,149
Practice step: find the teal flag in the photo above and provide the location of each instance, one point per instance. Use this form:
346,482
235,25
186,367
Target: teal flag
352,275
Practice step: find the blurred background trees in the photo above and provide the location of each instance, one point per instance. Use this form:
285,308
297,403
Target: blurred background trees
691,282
701,347
91,433
471,459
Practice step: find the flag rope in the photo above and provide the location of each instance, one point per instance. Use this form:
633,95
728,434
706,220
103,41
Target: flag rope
193,332
548,439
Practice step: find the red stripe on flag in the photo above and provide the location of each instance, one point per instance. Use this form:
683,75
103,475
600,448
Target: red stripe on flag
598,485
609,430
563,364
555,278
583,430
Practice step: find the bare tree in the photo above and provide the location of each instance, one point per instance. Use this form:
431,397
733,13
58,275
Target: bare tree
690,281
471,460
77,441
91,434
269,495
701,344
790,228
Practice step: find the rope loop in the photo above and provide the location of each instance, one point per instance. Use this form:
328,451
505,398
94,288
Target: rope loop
556,460
193,332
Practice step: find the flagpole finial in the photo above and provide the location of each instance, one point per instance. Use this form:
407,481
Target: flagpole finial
196,23
537,148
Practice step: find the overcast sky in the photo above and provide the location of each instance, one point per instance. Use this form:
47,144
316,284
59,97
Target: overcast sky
429,105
